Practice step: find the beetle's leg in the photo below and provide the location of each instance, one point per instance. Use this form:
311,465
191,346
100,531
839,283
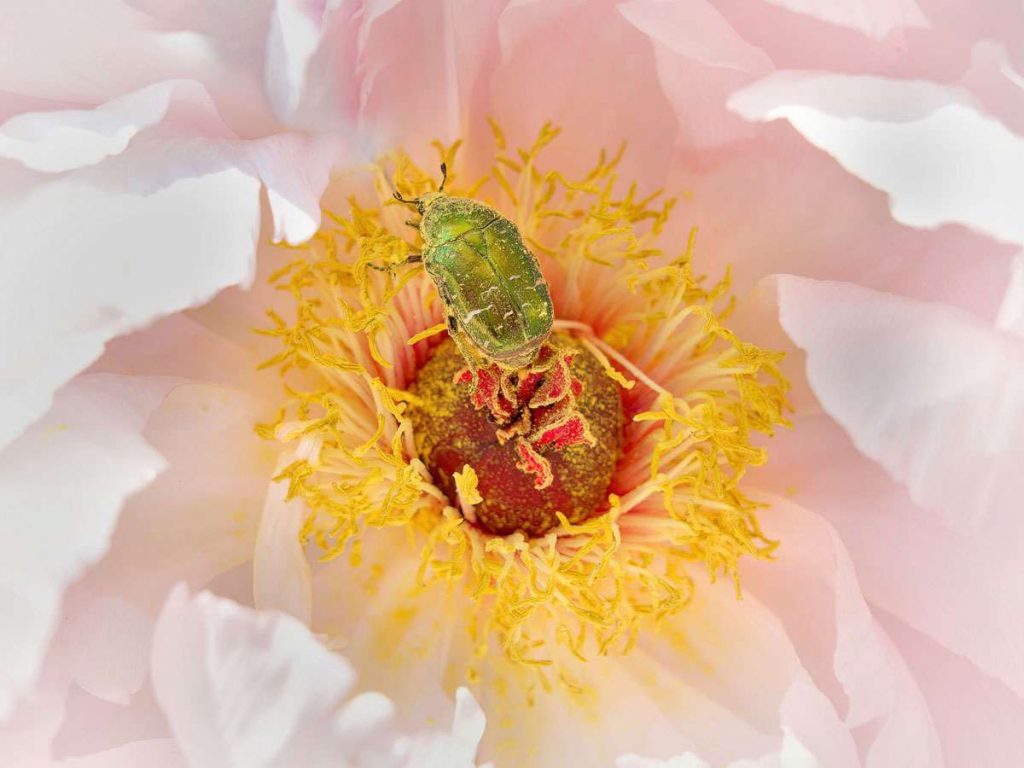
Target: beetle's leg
444,176
411,223
414,258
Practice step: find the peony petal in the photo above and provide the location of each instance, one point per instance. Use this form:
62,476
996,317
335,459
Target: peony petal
63,483
296,30
244,688
939,158
107,262
934,396
65,139
978,718
696,31
701,684
701,59
430,82
1011,312
281,574
594,74
196,522
960,585
836,636
457,750
295,170
52,51
777,204
152,753
875,18
199,520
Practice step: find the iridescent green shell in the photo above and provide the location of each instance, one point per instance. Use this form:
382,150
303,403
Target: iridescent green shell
489,280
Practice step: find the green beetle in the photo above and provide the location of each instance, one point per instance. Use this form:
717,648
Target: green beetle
490,283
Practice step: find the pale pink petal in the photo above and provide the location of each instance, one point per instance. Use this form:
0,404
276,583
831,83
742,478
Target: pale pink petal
793,754
433,81
108,641
701,59
933,395
1011,312
997,85
281,574
183,347
52,51
875,18
295,170
839,641
152,753
960,584
689,760
777,204
978,719
62,484
941,52
938,165
199,520
455,750
591,71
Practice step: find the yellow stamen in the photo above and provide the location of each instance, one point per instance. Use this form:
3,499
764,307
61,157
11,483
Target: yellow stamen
466,482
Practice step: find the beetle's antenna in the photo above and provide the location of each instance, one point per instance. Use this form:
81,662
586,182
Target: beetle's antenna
399,198
444,176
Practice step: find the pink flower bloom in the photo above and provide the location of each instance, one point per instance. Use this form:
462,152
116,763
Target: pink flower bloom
860,168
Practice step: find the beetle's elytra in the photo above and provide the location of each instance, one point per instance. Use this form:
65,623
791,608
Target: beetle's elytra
491,284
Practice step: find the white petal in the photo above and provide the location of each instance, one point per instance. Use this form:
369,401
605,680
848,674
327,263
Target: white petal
61,486
295,170
249,689
241,688
875,18
64,139
296,27
458,749
103,263
940,160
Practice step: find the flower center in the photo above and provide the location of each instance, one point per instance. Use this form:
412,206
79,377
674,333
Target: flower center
452,433
564,509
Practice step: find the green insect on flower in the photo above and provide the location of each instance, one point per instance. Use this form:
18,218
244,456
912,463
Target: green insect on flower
491,284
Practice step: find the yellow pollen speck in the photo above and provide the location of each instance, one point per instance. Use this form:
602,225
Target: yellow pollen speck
466,482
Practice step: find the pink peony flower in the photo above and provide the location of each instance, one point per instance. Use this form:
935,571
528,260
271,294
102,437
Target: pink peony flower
209,564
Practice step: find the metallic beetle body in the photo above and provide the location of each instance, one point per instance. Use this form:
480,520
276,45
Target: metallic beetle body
490,282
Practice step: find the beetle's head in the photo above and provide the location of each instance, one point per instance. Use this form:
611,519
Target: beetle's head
424,201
